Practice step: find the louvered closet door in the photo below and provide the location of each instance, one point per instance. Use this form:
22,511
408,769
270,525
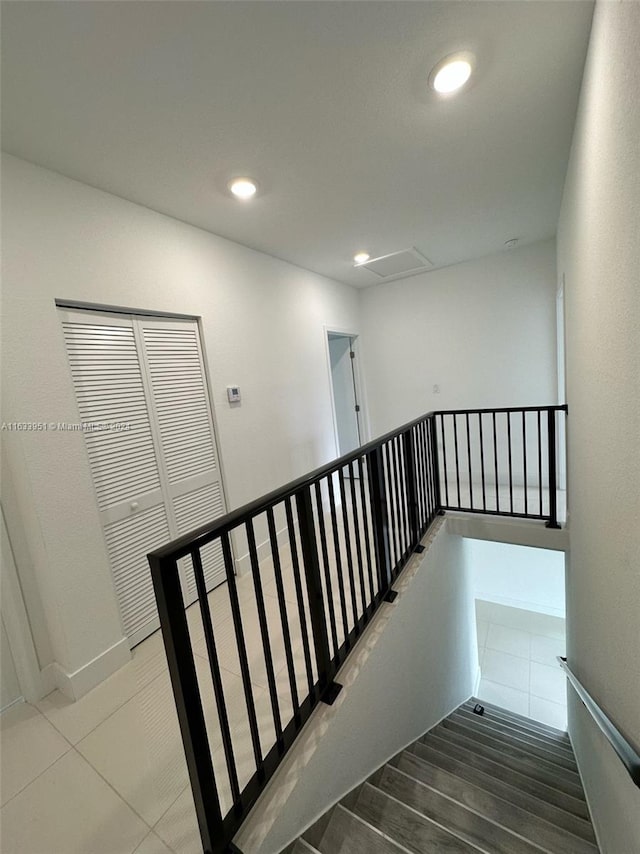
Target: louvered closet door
109,383
182,411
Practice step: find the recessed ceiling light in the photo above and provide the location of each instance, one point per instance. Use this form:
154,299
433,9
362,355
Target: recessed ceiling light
361,257
451,73
243,188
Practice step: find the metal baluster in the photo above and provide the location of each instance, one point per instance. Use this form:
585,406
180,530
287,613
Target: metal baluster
455,441
553,483
495,460
327,567
484,493
469,460
380,519
367,529
435,463
338,556
328,689
347,546
400,472
539,463
444,461
356,531
216,677
524,461
282,602
421,477
299,595
510,464
411,488
184,679
264,630
393,539
242,653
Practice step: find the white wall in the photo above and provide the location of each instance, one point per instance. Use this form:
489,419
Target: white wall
518,576
394,692
263,327
599,255
483,331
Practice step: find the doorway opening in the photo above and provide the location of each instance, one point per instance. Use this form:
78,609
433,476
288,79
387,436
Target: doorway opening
520,617
347,415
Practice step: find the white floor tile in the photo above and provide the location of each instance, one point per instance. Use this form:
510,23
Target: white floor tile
548,683
138,750
178,827
552,714
152,844
512,641
545,650
502,695
29,745
76,720
506,669
69,809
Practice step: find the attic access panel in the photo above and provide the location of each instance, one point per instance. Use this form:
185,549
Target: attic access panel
397,264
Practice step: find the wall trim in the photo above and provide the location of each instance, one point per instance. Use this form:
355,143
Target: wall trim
243,563
78,683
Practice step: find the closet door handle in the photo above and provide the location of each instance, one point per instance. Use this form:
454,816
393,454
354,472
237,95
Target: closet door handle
134,505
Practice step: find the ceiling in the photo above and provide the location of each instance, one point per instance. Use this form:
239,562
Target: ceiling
326,104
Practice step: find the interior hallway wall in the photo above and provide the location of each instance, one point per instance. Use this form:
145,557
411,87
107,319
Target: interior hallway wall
599,255
263,329
483,331
517,576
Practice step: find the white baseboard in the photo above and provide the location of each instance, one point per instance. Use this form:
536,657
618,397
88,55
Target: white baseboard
78,683
521,603
243,563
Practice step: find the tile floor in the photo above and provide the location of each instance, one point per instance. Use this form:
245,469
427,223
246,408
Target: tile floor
517,651
107,774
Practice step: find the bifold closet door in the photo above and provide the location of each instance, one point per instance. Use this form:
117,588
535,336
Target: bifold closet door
109,383
183,414
141,386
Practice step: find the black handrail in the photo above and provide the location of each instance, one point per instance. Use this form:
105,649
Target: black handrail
623,748
349,528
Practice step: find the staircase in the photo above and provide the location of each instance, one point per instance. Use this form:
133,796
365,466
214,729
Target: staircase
497,782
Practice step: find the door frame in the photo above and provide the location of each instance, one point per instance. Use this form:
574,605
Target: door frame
363,421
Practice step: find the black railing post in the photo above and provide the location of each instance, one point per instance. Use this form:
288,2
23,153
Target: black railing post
435,474
408,446
328,688
553,476
184,680
380,520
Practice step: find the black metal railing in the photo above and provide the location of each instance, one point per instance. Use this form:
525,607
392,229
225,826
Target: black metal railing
624,750
500,462
323,554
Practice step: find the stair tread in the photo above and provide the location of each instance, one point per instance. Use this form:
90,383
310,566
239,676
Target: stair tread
491,722
519,780
348,833
531,766
479,830
531,722
411,829
476,796
532,801
508,743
